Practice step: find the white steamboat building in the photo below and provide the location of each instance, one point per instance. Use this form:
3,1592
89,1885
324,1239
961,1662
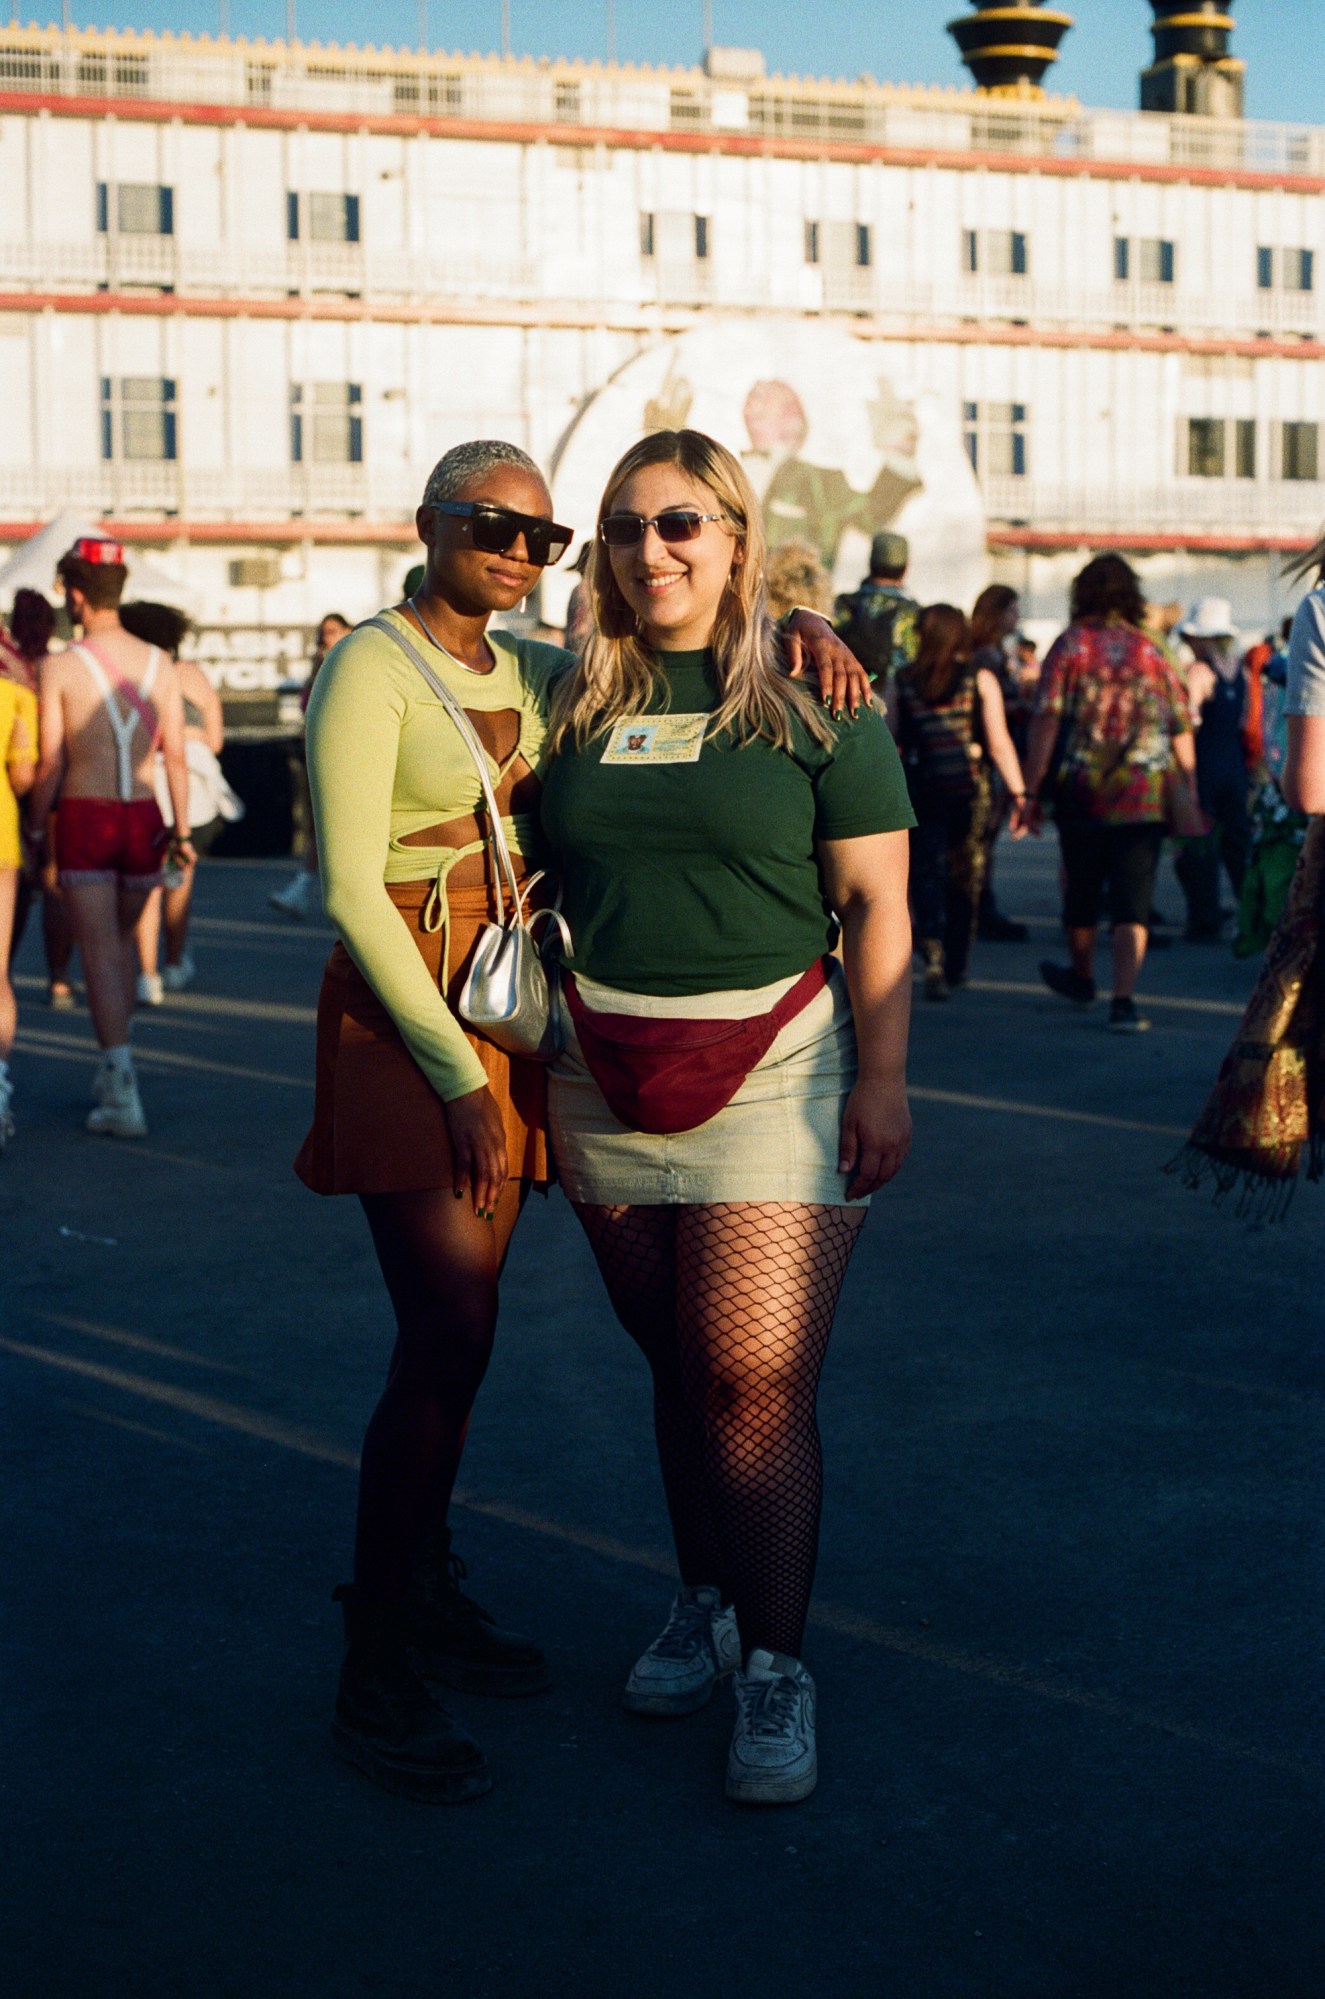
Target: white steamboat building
250,291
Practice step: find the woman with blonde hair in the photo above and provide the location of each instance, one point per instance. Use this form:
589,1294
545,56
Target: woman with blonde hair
731,1094
795,576
437,1132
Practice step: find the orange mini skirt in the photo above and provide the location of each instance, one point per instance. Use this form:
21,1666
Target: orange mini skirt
379,1127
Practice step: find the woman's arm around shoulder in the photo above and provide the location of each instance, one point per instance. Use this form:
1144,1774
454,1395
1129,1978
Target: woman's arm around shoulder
865,881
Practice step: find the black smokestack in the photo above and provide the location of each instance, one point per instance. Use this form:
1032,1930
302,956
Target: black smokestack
1193,70
1009,44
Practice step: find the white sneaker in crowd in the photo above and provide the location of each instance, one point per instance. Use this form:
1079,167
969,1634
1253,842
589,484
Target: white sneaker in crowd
773,1760
300,898
119,1108
6,1108
698,1646
174,978
150,990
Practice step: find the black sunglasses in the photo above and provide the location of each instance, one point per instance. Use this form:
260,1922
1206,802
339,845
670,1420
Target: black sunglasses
673,524
495,530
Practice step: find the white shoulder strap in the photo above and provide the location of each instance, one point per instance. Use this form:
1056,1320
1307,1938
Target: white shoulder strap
149,678
122,726
465,730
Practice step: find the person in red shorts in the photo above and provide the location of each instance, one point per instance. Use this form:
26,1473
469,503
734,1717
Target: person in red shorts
107,705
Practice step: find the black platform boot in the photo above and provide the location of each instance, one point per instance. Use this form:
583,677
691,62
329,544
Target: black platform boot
455,1642
387,1723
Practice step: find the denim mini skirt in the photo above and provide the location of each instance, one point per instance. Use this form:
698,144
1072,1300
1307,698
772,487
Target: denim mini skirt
777,1140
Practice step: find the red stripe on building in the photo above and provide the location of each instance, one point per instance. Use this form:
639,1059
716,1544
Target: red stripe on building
665,319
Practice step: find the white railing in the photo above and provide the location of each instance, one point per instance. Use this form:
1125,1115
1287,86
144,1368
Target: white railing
1291,507
204,492
376,83
164,262
1259,508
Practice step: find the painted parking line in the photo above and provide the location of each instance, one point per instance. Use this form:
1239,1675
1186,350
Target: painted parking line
844,1622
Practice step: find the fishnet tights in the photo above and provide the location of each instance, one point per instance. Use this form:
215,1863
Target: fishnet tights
732,1306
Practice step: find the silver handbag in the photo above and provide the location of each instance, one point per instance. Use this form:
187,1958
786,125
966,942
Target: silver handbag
511,991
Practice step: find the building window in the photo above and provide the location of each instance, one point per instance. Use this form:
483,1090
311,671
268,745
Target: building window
322,218
1206,447
1122,259
1299,268
811,242
1244,448
326,423
1299,452
701,238
685,110
864,246
996,439
1000,253
1288,270
1157,260
566,102
135,208
138,417
647,235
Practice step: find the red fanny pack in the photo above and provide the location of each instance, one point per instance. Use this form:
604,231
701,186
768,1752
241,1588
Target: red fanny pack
665,1076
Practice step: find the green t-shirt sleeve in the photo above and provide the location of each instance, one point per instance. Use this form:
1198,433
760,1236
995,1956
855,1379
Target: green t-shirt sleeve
860,786
354,718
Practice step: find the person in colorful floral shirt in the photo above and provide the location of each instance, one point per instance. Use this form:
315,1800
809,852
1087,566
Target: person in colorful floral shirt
1111,733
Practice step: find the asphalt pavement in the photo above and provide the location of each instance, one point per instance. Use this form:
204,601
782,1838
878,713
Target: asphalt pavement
1067,1624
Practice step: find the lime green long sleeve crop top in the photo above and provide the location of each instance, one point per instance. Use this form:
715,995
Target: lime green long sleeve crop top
384,762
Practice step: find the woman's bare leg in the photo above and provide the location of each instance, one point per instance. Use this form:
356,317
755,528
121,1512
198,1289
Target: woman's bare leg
175,916
147,934
8,1004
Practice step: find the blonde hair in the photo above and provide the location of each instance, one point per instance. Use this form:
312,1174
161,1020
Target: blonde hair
795,576
617,674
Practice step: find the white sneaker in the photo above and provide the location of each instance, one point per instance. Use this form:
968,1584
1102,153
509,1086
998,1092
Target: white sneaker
300,898
698,1646
773,1760
150,990
6,1111
174,978
119,1109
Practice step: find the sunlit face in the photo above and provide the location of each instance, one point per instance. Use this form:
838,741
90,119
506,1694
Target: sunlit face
471,580
674,588
329,633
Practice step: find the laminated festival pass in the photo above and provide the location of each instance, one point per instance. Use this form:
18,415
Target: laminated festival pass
657,739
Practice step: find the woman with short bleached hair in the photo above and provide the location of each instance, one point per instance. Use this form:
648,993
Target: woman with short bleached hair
731,1094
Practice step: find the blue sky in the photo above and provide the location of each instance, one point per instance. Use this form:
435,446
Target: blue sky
1282,41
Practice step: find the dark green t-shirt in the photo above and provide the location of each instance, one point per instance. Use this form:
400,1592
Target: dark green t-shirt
700,875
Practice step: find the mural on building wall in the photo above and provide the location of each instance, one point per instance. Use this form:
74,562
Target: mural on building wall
837,442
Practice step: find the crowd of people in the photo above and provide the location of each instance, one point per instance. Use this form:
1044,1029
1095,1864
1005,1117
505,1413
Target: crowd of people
731,834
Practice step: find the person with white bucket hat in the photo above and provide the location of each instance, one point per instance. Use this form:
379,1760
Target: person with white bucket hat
1217,684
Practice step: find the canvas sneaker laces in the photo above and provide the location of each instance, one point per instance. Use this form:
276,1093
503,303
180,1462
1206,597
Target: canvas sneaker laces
698,1646
773,1758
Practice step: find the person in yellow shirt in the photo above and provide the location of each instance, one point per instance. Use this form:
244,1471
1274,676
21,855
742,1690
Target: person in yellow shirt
18,749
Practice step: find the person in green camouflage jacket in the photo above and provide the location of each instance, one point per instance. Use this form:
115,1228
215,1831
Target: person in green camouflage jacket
879,621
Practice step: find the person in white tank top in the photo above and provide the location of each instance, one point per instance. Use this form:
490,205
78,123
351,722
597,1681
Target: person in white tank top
107,705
